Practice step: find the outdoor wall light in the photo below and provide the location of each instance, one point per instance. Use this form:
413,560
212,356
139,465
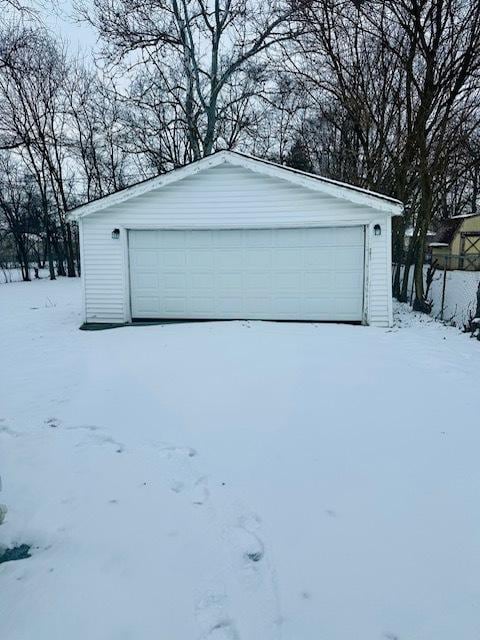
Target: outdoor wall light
115,234
377,230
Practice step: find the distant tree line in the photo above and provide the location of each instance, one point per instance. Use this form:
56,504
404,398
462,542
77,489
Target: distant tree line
383,94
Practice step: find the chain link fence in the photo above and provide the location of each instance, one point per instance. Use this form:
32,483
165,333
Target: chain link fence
464,262
454,293
453,286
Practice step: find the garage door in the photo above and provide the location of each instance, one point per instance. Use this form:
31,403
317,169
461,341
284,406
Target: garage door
283,274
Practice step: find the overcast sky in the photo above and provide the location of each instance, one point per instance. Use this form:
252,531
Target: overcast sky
58,17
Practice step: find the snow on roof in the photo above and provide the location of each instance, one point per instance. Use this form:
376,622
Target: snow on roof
410,230
312,181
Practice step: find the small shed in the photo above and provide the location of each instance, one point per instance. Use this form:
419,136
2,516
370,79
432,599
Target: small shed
456,245
236,237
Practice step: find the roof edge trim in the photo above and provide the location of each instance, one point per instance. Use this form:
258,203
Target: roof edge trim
341,190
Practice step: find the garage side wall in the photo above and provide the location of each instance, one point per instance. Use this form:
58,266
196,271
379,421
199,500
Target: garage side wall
103,281
379,273
225,196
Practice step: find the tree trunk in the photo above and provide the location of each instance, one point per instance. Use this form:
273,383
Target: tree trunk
398,256
211,126
425,215
48,252
409,260
70,253
60,267
24,267
22,257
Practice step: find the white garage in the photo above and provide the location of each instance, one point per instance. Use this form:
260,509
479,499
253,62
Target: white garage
235,237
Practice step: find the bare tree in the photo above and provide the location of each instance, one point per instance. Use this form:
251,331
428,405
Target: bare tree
19,211
202,52
96,133
405,74
33,97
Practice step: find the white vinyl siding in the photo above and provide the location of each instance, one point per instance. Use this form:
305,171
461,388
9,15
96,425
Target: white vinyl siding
222,197
379,286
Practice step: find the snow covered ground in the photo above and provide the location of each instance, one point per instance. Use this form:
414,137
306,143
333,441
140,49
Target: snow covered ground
242,481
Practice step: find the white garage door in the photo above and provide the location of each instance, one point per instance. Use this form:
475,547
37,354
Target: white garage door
283,274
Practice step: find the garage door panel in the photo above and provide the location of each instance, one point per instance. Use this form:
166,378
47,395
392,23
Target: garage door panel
172,258
143,240
147,305
319,237
145,258
291,258
229,306
257,305
288,238
344,307
145,280
250,273
347,258
285,306
262,238
347,280
201,239
232,259
202,280
318,282
287,280
225,239
173,239
257,280
173,280
176,306
348,237
201,306
259,258
228,280
324,308
201,258
317,307
319,258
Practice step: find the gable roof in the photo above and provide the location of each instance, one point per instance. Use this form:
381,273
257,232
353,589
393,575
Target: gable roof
465,215
311,181
446,231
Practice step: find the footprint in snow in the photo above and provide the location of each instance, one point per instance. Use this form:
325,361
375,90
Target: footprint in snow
9,432
86,427
119,447
53,422
213,619
169,451
223,630
177,486
200,492
100,439
248,543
